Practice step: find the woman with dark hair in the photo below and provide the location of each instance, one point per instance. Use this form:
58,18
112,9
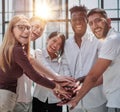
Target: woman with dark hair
44,100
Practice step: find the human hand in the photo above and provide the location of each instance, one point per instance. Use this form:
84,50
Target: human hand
64,79
73,89
60,91
72,103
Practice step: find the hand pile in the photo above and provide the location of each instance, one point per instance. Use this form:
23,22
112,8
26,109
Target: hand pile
71,90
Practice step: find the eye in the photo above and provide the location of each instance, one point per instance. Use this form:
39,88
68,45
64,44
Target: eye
21,27
90,23
97,20
54,40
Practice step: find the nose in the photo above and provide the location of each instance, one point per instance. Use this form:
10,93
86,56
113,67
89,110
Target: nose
27,30
78,22
94,25
55,45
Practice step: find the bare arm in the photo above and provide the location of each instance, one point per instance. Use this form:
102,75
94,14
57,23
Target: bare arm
99,81
91,80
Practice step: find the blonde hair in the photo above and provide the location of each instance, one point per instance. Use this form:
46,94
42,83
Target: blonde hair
42,21
9,42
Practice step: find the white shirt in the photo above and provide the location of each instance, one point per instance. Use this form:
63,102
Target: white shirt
55,65
111,78
25,87
80,61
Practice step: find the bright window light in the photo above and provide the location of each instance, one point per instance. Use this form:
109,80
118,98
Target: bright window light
43,10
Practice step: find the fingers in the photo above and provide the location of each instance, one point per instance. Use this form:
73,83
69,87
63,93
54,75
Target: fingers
71,79
61,79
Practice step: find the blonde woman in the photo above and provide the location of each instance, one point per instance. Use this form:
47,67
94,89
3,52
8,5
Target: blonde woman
14,53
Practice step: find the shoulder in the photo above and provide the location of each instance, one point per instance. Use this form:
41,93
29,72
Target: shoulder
39,51
113,39
70,41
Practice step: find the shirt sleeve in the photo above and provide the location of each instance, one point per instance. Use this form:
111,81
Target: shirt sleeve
41,59
110,49
22,60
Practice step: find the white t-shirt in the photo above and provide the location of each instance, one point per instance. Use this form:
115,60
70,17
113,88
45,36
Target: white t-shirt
80,61
111,77
56,65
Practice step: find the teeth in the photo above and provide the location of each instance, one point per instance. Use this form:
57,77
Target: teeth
24,37
97,30
53,48
78,27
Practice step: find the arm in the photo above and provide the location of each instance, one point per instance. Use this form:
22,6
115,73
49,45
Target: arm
42,66
99,81
21,59
91,80
42,69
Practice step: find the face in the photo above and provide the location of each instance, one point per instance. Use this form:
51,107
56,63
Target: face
37,29
79,23
21,31
99,25
53,45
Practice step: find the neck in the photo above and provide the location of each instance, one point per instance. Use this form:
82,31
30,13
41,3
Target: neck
78,39
53,55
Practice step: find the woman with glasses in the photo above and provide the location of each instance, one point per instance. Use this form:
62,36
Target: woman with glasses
25,85
14,61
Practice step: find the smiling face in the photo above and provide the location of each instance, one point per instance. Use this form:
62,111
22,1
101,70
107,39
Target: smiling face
21,31
54,44
79,23
99,25
38,26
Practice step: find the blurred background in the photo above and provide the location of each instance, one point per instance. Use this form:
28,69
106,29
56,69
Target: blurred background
56,12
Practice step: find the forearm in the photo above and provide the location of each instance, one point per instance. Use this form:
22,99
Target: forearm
46,72
99,81
88,84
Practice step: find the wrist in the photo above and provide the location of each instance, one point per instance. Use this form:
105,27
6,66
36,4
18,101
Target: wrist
57,87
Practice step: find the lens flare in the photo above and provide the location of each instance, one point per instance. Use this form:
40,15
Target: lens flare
43,10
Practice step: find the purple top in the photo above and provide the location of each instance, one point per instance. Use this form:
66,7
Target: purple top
20,63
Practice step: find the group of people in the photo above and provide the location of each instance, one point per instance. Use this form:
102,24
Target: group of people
90,58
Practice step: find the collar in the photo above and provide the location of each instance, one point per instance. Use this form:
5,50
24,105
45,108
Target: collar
86,36
46,55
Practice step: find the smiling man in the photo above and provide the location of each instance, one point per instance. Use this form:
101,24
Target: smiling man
81,52
108,62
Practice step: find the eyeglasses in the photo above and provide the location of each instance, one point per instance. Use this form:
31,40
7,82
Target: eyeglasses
23,27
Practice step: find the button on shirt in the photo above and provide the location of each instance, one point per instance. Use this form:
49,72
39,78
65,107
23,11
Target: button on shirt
111,78
80,60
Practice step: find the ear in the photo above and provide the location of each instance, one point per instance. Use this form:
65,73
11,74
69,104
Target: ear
109,22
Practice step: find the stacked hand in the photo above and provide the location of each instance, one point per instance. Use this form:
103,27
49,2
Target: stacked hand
71,89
